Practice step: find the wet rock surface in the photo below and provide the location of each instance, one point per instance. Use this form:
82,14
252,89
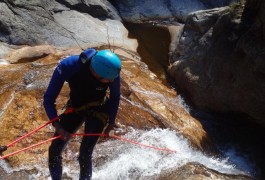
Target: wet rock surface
16,175
192,171
146,103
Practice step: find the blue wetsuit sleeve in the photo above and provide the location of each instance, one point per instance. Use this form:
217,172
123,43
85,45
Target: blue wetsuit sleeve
53,90
62,73
114,99
66,68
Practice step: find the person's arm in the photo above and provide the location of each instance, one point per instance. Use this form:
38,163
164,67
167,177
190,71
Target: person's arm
114,100
63,71
52,92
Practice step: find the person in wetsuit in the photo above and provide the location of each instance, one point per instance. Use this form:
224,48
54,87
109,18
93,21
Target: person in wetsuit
89,76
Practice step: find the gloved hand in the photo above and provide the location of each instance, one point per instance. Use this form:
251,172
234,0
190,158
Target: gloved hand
65,135
109,131
2,149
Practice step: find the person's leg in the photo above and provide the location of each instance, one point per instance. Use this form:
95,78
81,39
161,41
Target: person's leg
55,158
92,125
70,122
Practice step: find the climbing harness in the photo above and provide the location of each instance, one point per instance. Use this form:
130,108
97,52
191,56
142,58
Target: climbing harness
87,109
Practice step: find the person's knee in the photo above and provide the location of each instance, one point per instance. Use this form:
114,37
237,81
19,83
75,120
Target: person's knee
86,149
85,156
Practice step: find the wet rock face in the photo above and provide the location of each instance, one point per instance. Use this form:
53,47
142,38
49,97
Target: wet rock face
22,111
15,175
146,103
192,171
162,103
218,60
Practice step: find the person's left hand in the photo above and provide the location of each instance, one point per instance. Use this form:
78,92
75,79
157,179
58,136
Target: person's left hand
61,131
109,131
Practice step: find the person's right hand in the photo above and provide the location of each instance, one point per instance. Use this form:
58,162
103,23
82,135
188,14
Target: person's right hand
109,130
65,135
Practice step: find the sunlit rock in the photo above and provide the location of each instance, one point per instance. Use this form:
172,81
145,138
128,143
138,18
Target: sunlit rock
145,104
29,54
63,24
3,62
162,103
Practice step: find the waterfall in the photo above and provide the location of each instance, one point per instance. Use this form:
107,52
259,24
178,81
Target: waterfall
115,159
128,161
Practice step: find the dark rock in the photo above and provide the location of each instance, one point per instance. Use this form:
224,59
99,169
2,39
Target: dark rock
219,60
198,171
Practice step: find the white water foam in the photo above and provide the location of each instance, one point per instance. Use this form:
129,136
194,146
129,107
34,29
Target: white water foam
129,161
119,160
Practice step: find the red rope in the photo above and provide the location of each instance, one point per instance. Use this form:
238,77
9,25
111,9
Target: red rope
128,140
32,146
144,145
96,134
26,135
67,111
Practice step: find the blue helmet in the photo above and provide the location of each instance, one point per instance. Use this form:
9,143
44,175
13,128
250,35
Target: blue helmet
106,64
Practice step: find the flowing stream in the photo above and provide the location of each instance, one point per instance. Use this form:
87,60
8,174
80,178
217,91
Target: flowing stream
117,159
132,162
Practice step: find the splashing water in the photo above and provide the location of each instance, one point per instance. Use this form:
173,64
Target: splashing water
115,159
121,160
131,162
